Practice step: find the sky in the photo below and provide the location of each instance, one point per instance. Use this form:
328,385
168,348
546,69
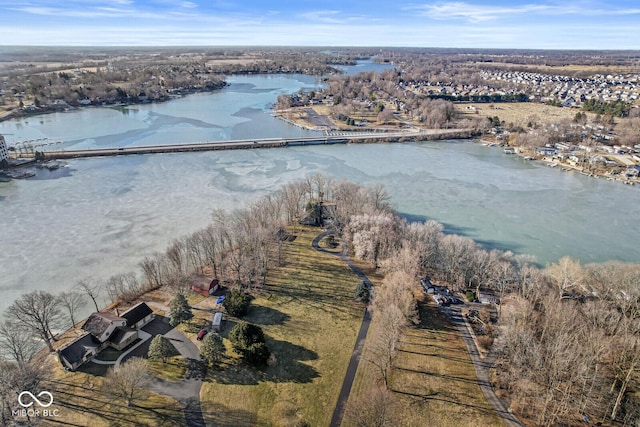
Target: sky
581,24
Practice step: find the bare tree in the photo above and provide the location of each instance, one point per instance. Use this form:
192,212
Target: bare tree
382,345
93,291
15,378
16,342
152,268
374,408
455,259
374,237
128,381
176,255
567,274
39,311
72,301
123,287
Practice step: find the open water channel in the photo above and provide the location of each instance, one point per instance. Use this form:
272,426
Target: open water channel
98,217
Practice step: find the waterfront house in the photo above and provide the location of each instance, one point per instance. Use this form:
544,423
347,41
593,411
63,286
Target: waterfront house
105,330
102,325
547,151
78,351
138,315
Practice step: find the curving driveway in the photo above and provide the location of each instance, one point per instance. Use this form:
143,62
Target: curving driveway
187,390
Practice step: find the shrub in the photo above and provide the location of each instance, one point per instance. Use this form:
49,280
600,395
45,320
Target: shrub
362,293
257,354
485,342
470,296
244,334
160,348
179,310
237,303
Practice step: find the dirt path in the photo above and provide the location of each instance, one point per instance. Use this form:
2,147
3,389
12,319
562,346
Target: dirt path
354,362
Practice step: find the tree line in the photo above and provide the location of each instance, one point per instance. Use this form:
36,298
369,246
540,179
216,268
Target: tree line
567,340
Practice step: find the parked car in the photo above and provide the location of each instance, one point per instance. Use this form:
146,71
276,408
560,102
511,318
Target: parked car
201,334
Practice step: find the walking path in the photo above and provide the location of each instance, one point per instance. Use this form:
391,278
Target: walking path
482,367
343,397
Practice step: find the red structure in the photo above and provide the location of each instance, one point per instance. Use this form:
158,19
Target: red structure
201,286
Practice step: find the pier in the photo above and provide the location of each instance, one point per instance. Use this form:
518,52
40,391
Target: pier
342,138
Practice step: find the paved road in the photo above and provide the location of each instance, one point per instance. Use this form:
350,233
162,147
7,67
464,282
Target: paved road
187,390
482,367
354,362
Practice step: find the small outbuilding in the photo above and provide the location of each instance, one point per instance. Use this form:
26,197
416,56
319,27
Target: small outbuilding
203,285
216,324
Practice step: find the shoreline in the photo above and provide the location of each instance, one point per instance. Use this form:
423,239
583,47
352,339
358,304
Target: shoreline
22,112
565,167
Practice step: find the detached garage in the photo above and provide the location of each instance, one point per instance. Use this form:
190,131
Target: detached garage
138,315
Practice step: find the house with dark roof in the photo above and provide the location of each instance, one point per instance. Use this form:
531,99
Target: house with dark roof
82,349
122,337
105,330
138,315
102,325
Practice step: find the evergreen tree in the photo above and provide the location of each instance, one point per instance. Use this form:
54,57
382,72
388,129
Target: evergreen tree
160,348
248,341
212,348
362,293
179,310
237,303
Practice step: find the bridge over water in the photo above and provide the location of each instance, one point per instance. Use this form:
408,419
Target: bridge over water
342,138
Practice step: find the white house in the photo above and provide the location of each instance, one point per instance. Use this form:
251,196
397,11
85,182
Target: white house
138,315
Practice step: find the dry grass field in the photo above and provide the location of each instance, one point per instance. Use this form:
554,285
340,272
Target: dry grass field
433,382
519,113
80,401
566,69
310,323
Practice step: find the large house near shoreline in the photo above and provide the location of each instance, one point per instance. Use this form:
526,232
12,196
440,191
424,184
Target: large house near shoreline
104,330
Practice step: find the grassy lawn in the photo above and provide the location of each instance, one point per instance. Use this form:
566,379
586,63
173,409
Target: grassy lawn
310,322
433,380
173,369
80,401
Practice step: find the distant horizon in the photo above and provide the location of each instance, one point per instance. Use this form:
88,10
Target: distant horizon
229,46
470,24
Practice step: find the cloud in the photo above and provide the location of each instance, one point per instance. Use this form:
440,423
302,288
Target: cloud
476,13
336,17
